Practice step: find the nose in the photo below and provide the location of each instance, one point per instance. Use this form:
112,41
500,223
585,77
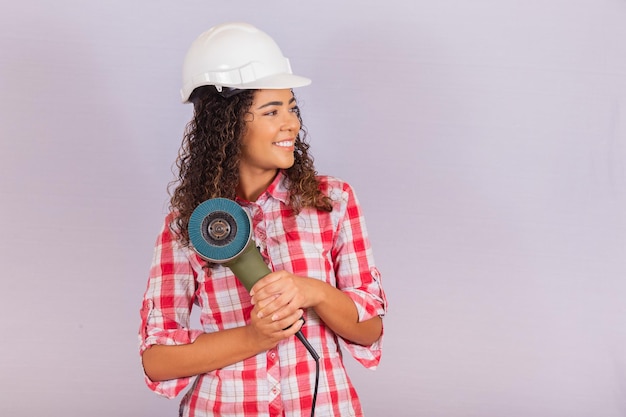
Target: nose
291,122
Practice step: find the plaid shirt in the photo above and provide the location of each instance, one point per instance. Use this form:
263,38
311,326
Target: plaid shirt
333,247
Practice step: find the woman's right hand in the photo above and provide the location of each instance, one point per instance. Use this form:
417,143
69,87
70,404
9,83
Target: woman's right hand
268,331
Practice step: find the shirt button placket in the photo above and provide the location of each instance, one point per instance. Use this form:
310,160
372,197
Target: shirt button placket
273,375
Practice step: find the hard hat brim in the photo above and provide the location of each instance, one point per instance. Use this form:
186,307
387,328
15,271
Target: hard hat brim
272,82
275,82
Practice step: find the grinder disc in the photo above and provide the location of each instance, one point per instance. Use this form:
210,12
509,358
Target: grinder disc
219,229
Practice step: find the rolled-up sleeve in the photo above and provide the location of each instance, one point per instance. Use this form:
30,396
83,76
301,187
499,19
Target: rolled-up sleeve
357,275
167,304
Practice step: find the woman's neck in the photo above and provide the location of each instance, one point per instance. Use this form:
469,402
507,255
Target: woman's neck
253,184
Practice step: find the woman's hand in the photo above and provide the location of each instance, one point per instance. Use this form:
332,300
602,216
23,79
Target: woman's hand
279,294
277,309
267,332
279,303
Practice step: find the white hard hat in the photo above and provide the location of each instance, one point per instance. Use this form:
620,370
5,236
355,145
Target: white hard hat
237,55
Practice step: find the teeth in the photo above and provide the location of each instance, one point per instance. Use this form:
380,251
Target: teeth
285,143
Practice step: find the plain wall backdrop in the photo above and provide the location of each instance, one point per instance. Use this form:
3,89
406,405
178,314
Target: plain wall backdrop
486,141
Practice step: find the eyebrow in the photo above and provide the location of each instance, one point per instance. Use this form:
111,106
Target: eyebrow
275,103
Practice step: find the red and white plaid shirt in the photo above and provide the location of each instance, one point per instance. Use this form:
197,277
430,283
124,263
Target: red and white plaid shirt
333,247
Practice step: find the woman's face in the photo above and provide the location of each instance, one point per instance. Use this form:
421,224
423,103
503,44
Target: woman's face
271,129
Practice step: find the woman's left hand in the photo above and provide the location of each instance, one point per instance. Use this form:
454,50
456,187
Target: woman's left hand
280,294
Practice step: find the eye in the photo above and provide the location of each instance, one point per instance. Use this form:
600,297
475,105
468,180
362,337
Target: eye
295,109
271,113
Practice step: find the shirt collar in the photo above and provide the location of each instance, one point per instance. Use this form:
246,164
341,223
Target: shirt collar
278,187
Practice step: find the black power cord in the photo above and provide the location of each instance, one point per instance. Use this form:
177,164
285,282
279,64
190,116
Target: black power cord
316,357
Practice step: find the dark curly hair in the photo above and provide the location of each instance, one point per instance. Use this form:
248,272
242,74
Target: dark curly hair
208,160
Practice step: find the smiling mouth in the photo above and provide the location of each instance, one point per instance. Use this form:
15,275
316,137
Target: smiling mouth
285,143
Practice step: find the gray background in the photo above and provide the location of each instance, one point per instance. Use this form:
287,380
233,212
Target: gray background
486,140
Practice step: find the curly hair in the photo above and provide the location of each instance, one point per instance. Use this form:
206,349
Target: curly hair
208,160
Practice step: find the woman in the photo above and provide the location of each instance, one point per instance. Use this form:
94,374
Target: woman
246,143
